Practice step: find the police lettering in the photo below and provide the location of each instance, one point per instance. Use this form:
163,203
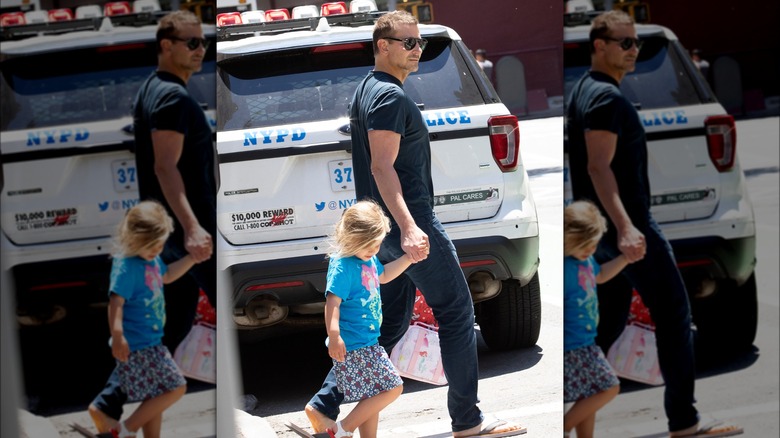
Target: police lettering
677,117
56,136
447,118
274,136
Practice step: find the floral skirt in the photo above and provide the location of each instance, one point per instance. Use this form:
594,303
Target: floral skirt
148,373
365,373
586,372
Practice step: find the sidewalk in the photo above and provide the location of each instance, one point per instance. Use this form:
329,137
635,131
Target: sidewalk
194,416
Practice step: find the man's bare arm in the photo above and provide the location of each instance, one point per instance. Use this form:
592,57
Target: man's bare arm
168,146
601,147
384,147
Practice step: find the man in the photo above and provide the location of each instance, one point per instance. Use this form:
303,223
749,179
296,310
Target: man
608,161
486,64
175,161
392,165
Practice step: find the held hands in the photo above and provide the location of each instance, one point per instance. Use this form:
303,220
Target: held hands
415,244
120,348
337,349
631,243
199,244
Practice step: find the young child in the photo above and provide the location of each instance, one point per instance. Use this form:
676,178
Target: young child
353,315
136,316
589,380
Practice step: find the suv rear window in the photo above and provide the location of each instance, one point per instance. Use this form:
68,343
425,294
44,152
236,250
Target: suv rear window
88,85
661,79
316,83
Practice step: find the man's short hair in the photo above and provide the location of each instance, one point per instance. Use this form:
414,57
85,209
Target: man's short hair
389,23
603,25
172,23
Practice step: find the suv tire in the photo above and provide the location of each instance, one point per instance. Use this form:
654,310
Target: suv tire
513,318
727,322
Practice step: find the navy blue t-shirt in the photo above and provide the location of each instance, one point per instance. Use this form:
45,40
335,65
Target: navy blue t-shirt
380,103
163,103
596,103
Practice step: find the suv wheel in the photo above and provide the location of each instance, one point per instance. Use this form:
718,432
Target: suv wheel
727,322
513,318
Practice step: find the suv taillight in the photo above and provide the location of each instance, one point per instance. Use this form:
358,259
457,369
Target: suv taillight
721,141
505,141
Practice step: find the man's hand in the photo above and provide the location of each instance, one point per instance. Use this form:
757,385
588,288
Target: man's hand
199,244
415,244
631,243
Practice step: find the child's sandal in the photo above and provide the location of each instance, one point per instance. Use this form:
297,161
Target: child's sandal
121,431
339,432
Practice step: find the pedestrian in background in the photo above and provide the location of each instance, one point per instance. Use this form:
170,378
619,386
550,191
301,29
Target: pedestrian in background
174,154
353,317
392,166
608,162
702,64
486,64
589,380
144,369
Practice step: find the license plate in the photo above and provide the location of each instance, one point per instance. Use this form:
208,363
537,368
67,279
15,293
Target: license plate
341,179
125,179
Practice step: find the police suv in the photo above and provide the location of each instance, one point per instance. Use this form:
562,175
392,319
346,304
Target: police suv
283,138
697,184
67,140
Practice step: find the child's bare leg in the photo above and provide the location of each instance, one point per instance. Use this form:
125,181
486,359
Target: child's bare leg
369,427
586,427
153,427
582,409
369,407
154,406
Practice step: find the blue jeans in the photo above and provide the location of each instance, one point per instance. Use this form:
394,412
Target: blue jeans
441,281
659,283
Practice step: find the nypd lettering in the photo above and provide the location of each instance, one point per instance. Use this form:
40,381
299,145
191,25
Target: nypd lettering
464,197
263,219
664,118
447,118
268,136
36,220
53,136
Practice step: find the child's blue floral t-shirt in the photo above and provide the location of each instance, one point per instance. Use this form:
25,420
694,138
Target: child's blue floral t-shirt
580,302
356,282
140,283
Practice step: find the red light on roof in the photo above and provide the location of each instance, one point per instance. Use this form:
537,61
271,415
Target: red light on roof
339,48
12,19
277,14
62,14
229,19
333,8
116,8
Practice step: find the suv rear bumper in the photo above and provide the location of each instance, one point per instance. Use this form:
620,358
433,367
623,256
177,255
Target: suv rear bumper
715,258
301,280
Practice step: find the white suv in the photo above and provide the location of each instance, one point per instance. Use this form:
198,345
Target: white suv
697,184
67,155
283,90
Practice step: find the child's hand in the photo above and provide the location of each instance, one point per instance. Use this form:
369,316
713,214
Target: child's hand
120,348
337,349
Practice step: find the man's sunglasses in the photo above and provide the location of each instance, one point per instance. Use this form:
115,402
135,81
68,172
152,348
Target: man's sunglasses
627,43
410,42
193,43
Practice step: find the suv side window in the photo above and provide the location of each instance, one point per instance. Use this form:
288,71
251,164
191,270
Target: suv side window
316,83
83,90
661,78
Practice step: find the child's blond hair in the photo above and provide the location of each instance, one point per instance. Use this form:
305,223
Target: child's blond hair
145,224
360,225
583,224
